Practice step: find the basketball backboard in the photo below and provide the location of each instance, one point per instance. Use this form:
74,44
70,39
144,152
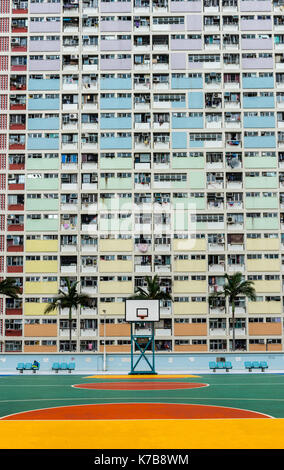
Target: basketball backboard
142,310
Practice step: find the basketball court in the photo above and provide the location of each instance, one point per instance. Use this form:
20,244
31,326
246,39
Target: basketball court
212,411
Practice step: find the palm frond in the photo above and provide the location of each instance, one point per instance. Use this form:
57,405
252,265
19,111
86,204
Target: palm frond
153,292
9,288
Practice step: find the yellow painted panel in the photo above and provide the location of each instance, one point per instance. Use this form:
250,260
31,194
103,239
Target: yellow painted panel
263,244
41,287
116,266
267,286
116,287
263,265
41,266
264,307
112,308
185,287
189,308
116,245
190,266
48,246
35,308
189,245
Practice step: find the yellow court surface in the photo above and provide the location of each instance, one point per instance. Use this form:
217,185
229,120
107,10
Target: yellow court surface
142,376
153,434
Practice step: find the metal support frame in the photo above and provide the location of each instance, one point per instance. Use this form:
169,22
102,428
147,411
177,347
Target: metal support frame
142,351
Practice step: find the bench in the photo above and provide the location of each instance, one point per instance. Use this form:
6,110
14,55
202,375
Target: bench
63,366
256,365
27,366
220,365
20,367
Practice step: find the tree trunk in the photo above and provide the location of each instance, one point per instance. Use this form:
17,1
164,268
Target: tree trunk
233,325
70,328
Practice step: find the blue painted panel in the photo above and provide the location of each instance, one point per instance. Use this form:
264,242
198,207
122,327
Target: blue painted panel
258,102
115,143
179,140
36,104
116,84
43,124
115,123
260,142
38,85
187,123
196,143
195,100
116,103
259,121
187,83
42,143
258,82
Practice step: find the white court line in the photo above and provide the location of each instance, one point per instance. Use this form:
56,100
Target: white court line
233,384
144,398
138,403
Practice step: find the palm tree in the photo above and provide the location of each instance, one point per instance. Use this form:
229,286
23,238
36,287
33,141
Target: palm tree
234,287
9,288
70,299
153,291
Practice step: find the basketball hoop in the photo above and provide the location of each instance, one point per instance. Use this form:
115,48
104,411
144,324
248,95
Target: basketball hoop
142,313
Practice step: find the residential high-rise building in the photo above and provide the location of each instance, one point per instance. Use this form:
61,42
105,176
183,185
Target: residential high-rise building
139,138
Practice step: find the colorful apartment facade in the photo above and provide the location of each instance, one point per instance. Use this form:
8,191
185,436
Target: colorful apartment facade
142,138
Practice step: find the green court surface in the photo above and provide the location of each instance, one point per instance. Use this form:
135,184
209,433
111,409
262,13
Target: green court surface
257,392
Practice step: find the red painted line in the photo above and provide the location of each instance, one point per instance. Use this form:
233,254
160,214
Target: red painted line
140,385
132,411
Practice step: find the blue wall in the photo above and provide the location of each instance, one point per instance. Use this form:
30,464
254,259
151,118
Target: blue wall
121,362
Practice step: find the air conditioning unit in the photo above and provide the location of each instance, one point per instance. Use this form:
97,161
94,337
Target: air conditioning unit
230,220
65,217
15,41
73,116
74,57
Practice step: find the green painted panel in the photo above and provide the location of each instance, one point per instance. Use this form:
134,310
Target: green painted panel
197,180
261,182
42,164
265,223
261,203
116,163
42,184
260,162
42,204
187,162
42,225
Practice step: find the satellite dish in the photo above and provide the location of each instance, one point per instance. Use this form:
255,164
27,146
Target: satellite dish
234,162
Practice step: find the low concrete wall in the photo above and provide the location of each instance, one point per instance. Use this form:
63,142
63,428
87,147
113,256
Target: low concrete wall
166,362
